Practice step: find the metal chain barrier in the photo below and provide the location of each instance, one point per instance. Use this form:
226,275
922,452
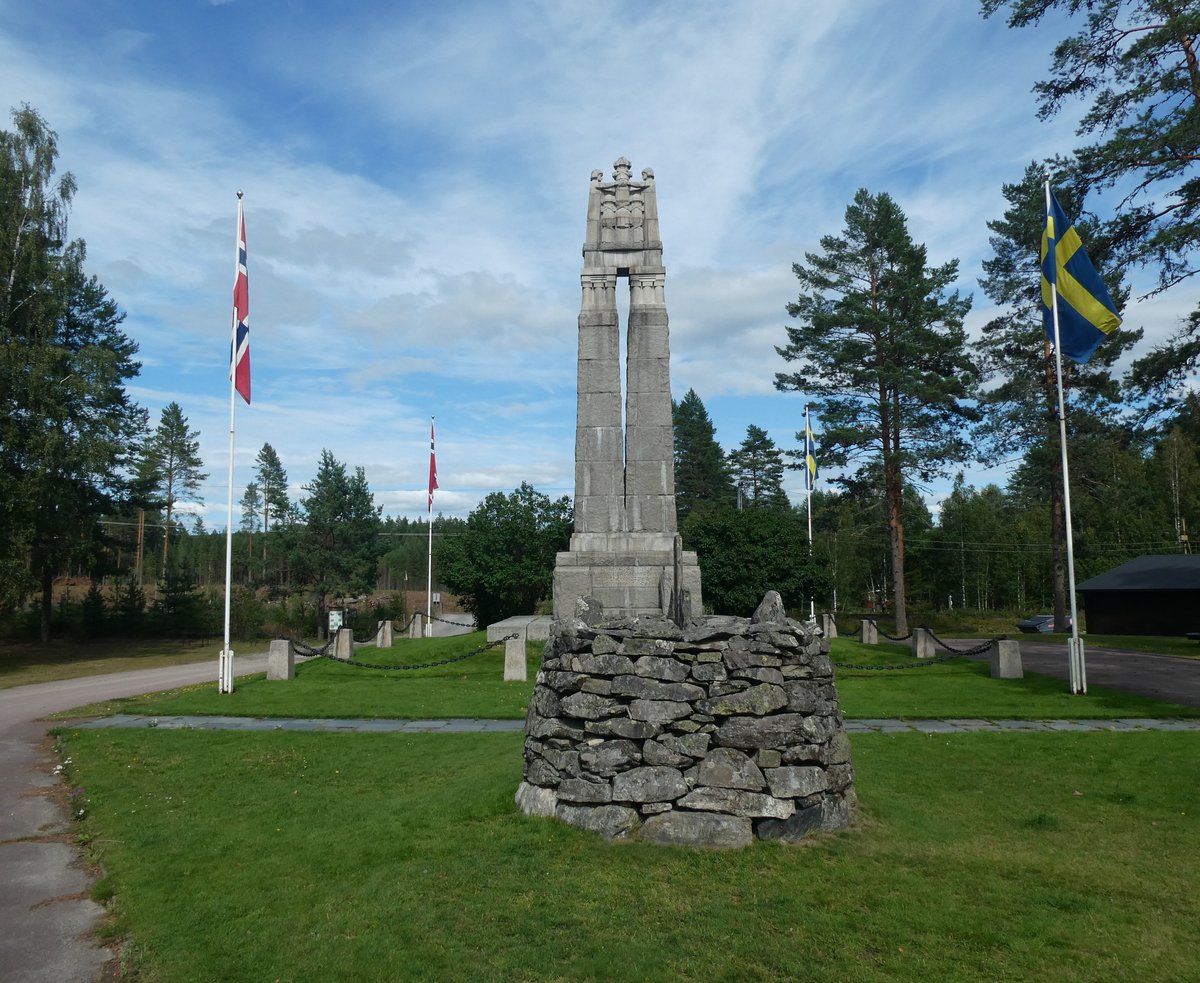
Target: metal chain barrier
977,650
849,634
894,638
445,621
422,665
303,648
370,638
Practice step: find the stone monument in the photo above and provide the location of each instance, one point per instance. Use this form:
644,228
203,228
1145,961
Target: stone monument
647,721
623,548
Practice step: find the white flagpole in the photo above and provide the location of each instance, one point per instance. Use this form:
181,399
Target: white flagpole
1075,657
225,668
429,566
812,604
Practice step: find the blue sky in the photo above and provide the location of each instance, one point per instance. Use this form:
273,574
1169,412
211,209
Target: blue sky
415,181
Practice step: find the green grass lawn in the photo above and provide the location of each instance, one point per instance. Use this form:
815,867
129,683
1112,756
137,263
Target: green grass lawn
23,664
476,688
964,688
1162,644
282,856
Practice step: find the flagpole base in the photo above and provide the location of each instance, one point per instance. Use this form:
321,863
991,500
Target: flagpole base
225,671
1078,667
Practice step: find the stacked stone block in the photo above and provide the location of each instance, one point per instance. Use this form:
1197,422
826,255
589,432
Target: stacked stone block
707,735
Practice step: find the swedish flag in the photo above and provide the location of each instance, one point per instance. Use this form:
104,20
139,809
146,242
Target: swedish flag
810,458
1086,312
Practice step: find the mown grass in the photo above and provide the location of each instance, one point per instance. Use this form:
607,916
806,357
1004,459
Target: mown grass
964,688
998,857
475,688
1161,644
24,664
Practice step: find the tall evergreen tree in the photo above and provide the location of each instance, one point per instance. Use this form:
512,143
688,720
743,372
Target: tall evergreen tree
702,476
171,462
1020,409
66,419
251,504
272,482
757,467
1136,63
338,547
881,340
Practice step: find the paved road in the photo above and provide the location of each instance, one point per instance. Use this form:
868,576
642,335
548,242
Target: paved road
45,910
1163,677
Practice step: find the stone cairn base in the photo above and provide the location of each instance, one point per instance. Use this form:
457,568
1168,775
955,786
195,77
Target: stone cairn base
706,735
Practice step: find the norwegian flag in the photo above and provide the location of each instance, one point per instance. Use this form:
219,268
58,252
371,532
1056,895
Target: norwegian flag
239,360
432,466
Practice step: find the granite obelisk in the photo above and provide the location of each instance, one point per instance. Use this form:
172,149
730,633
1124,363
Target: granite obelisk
623,547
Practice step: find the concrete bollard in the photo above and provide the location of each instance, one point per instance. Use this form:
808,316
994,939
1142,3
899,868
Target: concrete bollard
828,625
1005,656
413,630
281,659
870,634
514,658
922,643
343,644
384,637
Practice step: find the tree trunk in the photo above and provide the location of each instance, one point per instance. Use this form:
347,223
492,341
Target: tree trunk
895,520
166,539
47,601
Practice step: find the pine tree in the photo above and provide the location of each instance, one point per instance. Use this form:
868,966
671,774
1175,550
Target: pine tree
881,340
272,482
757,467
251,504
338,547
171,462
1136,61
702,475
66,419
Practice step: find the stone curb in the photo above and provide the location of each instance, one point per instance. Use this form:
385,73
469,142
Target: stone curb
470,726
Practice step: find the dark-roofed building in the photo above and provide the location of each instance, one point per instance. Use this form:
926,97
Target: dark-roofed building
1152,595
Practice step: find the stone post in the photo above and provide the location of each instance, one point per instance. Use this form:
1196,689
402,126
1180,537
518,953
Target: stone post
870,634
828,625
922,644
515,667
281,659
1005,656
413,630
384,636
343,644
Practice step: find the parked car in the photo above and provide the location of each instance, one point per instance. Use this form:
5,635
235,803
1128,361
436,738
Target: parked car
1041,623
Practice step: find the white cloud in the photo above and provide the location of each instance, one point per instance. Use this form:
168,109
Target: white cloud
416,183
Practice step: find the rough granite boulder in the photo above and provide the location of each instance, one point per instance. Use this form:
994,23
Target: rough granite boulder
707,734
